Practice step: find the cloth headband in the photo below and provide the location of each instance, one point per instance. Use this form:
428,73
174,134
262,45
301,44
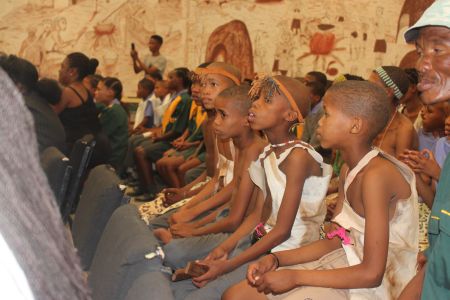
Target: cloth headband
290,99
388,82
212,70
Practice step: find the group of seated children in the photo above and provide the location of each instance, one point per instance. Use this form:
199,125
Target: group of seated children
253,220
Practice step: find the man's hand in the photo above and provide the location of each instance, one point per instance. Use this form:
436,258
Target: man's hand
134,54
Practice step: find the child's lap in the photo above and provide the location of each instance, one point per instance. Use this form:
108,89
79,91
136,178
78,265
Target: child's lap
333,260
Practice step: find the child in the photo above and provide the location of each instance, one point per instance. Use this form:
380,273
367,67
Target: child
317,90
231,122
410,104
399,133
188,150
145,113
113,118
291,176
91,81
372,252
162,101
217,78
174,123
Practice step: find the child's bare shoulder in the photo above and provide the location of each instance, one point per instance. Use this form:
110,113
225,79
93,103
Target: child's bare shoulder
405,123
383,173
300,157
255,149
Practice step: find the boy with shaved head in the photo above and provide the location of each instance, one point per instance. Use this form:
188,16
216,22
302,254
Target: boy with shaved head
371,250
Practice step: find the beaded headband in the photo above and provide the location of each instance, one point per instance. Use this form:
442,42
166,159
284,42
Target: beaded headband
270,86
220,71
388,82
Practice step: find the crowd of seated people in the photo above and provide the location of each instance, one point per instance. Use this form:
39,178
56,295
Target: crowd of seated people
231,174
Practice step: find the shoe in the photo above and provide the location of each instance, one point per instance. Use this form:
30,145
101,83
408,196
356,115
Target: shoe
136,192
145,197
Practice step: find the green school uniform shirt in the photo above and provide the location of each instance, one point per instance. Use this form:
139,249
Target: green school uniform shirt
114,121
179,119
437,275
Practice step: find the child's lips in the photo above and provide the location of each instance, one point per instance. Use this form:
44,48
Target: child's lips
251,116
425,84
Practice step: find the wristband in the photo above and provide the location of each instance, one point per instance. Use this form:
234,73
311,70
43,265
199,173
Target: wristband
276,260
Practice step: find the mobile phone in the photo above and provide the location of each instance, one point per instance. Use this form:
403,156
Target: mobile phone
132,47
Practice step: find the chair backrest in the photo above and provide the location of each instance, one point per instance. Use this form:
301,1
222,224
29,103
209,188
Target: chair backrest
79,160
120,256
57,168
99,198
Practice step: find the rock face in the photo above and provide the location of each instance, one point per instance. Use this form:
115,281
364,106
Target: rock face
231,43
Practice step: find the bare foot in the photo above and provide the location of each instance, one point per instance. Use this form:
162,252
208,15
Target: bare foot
163,235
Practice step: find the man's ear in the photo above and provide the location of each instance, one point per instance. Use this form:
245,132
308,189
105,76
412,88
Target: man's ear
356,125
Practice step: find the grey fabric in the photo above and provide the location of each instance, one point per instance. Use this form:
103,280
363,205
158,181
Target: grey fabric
134,141
151,285
48,127
119,259
193,173
99,198
214,289
57,168
30,222
181,251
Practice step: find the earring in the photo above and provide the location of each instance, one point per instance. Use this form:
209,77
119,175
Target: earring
295,128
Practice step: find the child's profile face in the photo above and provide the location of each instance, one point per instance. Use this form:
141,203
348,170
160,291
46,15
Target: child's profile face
65,73
333,125
433,117
161,89
195,92
229,120
142,92
103,94
211,86
268,113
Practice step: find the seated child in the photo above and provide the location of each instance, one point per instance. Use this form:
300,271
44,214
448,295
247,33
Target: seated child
215,79
317,90
113,118
293,180
145,112
91,81
371,254
188,150
399,133
161,101
410,104
174,123
427,163
231,122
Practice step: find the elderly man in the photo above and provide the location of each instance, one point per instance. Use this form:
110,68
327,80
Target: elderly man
431,34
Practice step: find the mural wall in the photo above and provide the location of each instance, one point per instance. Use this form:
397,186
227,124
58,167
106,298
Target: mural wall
281,36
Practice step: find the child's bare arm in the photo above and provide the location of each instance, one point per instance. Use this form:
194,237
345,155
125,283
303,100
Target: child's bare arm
223,196
240,200
247,226
376,195
405,139
425,191
297,168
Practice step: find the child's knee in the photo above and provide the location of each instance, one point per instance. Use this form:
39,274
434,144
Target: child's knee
139,151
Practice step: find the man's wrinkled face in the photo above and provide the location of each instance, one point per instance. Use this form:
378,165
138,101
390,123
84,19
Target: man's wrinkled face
433,47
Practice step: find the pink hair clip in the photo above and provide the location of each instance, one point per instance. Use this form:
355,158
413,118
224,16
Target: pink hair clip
342,234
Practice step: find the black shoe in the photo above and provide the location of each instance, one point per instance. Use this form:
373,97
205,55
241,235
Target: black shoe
136,192
145,197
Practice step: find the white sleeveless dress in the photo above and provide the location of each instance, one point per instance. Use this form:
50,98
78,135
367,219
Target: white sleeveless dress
403,235
150,210
265,173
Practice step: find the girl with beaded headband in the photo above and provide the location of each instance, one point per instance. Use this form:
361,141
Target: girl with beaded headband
399,134
287,170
